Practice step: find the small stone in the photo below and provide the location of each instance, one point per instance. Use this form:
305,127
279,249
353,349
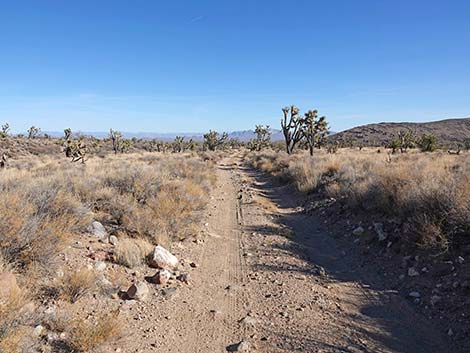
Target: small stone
113,240
100,266
358,231
138,291
168,292
435,299
162,258
414,295
412,272
161,277
52,336
248,321
193,264
243,346
183,277
50,310
98,230
460,260
378,227
450,332
38,331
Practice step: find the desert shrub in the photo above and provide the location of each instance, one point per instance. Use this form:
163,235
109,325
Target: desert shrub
86,335
46,203
132,252
428,194
75,285
305,175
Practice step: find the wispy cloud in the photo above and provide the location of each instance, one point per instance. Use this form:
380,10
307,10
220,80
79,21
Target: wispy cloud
196,19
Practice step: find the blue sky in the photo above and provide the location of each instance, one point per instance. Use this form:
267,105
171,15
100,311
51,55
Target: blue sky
188,66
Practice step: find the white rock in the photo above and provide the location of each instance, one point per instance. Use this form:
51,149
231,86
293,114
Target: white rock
460,260
52,336
100,266
113,240
414,295
162,258
98,230
38,330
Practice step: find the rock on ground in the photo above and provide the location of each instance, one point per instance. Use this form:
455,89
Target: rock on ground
138,291
98,230
162,258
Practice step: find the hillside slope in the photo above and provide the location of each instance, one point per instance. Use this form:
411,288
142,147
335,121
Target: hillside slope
449,132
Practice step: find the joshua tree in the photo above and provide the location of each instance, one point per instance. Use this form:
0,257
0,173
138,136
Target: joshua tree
262,140
33,132
125,145
116,140
291,125
5,130
67,134
314,129
428,143
466,144
212,140
178,144
3,161
76,150
406,140
394,145
191,145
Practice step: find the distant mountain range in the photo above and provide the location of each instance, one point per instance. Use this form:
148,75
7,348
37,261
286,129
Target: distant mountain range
448,132
244,135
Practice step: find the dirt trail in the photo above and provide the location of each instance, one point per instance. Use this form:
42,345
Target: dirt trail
278,290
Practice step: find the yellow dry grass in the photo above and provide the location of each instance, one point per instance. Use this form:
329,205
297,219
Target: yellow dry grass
428,192
47,201
86,335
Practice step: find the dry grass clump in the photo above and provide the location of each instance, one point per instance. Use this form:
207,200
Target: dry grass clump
75,285
428,193
132,252
86,335
15,322
15,341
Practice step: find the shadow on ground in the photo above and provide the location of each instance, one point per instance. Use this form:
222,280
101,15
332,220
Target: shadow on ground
401,328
